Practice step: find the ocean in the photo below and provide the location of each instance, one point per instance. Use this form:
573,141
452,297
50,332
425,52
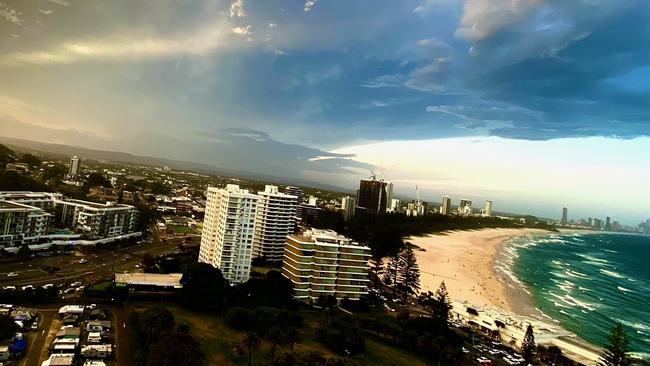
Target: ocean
587,282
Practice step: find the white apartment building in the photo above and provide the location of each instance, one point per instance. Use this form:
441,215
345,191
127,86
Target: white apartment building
465,208
322,262
445,209
274,221
348,205
74,166
228,231
93,220
487,211
21,224
97,221
394,205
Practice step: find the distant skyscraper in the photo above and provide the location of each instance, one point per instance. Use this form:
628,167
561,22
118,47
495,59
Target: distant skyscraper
487,211
274,221
608,223
445,209
565,216
389,195
372,196
295,191
394,205
465,208
228,231
348,204
74,166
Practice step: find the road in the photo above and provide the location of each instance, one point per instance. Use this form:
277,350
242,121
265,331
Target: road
123,341
101,264
36,340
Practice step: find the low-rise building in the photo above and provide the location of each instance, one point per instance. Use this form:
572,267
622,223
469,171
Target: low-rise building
322,262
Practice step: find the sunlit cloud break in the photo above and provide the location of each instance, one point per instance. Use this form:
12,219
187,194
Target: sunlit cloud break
207,40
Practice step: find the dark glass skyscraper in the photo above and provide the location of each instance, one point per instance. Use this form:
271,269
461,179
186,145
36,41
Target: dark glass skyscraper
372,196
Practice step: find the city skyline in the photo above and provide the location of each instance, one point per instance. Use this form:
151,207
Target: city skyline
521,97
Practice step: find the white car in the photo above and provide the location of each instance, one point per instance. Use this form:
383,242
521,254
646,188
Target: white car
49,285
12,274
83,260
75,284
9,288
27,287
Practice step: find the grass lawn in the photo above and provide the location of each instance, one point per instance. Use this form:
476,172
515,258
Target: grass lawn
218,342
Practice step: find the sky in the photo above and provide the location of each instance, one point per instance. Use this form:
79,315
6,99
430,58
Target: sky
535,104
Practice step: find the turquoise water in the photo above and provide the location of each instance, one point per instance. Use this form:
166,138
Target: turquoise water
589,282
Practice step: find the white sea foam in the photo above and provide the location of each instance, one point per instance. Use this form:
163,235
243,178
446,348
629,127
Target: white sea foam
624,289
611,273
636,326
592,260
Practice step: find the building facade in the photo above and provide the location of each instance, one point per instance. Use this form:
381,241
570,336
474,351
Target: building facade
465,208
228,231
27,216
445,208
322,263
565,216
274,221
73,170
21,224
97,221
348,206
487,211
372,196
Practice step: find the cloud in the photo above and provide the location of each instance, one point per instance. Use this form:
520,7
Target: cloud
385,81
11,15
481,18
237,9
46,12
61,2
330,73
204,41
429,77
309,5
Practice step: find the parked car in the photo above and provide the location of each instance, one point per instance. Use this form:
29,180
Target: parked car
75,284
48,285
27,287
12,274
7,288
83,260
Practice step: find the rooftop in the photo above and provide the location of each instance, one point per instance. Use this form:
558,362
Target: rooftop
150,279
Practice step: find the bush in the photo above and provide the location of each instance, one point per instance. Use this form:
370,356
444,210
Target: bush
343,337
238,318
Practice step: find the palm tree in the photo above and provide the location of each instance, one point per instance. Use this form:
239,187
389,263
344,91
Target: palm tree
251,342
616,352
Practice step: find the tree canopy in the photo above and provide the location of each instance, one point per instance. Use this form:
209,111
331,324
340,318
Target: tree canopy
617,350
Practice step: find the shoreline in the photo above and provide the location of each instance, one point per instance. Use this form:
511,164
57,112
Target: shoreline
475,267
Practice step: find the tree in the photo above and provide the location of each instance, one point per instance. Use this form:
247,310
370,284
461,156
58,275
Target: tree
281,336
617,351
204,287
528,344
7,326
176,348
408,272
97,179
154,322
251,342
442,304
31,160
6,156
391,273
376,272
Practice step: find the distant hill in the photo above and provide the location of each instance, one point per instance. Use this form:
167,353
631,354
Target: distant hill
121,157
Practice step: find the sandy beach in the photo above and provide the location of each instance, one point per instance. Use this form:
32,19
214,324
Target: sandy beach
465,261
